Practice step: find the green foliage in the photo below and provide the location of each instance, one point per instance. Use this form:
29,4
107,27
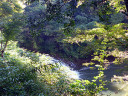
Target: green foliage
100,41
6,9
12,26
59,28
26,73
116,18
118,5
9,7
81,19
11,22
89,88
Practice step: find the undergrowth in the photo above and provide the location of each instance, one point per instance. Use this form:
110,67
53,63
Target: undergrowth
25,73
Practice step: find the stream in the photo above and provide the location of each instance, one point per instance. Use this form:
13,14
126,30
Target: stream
114,88
85,73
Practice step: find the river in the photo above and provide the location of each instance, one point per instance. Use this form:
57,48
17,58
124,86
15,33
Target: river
114,88
85,73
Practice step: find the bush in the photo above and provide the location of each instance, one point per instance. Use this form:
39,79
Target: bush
33,74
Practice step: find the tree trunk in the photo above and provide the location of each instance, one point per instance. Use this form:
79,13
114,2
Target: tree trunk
2,51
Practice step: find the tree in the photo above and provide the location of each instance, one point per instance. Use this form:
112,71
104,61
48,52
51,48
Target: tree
11,23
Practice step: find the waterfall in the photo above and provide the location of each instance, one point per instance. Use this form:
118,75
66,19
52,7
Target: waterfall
63,67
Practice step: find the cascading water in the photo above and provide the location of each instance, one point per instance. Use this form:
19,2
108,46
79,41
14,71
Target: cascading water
114,88
63,67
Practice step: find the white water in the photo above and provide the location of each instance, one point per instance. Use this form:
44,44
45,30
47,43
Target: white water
114,88
64,68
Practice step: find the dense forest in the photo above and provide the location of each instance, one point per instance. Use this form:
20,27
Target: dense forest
42,42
